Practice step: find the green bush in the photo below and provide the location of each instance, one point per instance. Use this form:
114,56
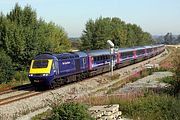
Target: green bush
21,75
71,111
169,80
6,68
152,107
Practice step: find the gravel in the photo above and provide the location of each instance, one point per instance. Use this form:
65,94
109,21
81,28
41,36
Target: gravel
151,81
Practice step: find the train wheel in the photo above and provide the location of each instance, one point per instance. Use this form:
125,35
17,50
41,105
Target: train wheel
53,84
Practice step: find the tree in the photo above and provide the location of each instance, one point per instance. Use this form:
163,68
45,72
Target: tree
99,31
178,39
168,38
23,36
88,35
6,67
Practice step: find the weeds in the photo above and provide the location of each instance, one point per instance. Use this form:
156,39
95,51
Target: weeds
151,106
71,111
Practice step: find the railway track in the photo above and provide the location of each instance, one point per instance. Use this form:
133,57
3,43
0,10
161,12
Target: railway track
18,97
13,89
17,93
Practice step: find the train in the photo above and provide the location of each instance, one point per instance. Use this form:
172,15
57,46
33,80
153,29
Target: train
51,70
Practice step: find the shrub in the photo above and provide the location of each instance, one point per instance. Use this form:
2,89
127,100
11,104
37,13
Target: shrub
71,111
21,75
169,80
152,107
6,68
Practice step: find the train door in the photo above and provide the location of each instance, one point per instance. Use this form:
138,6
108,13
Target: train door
77,65
55,67
84,62
118,57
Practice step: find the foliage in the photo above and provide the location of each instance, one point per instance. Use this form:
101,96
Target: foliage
99,31
176,84
76,43
42,116
70,111
169,80
22,36
21,76
6,68
168,38
153,107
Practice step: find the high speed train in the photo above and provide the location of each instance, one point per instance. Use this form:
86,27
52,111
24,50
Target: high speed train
51,70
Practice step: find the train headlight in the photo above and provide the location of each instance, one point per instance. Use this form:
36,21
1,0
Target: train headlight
30,74
45,74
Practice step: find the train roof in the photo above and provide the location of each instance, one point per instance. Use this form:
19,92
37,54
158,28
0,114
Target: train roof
98,52
60,56
158,45
148,46
44,56
125,49
66,55
139,48
81,54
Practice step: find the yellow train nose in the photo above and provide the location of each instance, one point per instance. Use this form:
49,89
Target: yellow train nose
41,70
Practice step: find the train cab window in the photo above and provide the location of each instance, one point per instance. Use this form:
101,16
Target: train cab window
40,64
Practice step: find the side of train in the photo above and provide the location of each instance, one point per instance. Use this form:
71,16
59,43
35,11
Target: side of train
57,69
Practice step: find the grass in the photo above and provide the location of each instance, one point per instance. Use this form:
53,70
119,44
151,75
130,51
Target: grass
13,83
42,116
152,106
170,80
19,78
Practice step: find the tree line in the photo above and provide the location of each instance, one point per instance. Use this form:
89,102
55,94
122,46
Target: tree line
98,31
23,35
168,39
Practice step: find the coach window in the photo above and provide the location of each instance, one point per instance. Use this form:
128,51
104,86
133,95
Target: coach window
84,60
95,59
101,58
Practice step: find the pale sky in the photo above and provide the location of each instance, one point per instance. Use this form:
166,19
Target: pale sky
154,16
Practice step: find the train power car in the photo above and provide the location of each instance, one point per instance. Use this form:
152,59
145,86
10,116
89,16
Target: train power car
46,69
56,69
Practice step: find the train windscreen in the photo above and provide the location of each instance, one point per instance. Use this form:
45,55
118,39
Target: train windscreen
40,64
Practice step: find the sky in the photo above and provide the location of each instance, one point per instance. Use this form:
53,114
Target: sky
154,16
